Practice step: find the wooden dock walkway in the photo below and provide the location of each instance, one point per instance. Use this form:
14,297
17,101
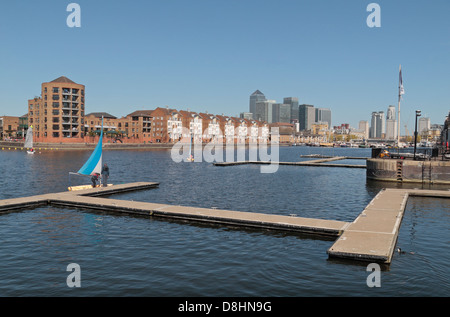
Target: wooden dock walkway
89,199
322,162
372,236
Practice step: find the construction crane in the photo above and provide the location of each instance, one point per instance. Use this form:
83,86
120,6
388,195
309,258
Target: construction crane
407,133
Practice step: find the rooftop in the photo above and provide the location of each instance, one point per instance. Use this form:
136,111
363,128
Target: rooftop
63,79
101,114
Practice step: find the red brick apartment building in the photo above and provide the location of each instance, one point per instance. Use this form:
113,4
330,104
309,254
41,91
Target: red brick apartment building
58,116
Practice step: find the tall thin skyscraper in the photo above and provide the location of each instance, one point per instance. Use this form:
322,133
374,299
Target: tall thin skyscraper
377,127
391,124
293,102
390,113
254,98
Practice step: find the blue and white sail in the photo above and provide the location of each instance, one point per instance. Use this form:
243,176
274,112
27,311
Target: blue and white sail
94,163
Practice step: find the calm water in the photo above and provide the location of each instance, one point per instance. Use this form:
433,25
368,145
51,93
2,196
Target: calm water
138,256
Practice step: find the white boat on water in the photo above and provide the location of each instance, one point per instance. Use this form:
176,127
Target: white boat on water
29,141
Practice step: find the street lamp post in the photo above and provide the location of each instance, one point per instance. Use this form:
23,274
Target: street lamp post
418,114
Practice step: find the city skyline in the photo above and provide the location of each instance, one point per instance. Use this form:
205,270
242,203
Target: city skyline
210,56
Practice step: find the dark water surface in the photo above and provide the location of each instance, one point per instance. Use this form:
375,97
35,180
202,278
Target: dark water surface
138,256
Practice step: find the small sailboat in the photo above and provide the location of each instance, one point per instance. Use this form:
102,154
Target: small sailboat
29,140
190,157
92,166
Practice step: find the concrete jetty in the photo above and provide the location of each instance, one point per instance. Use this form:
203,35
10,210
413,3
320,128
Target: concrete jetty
372,236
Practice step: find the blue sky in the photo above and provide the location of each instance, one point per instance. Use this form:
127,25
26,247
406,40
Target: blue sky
210,55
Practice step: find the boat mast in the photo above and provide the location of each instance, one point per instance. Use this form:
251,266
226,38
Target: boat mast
400,93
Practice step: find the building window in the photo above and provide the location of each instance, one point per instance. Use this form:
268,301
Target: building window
55,90
55,127
55,97
56,134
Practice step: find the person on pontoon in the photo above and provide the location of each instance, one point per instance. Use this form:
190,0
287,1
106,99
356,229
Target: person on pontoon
94,179
105,174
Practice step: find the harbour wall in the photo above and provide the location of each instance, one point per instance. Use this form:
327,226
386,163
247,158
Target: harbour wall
410,171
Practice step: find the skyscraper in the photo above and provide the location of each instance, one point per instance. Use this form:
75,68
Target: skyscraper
281,113
254,98
293,102
391,124
390,113
306,116
424,125
263,110
377,126
323,115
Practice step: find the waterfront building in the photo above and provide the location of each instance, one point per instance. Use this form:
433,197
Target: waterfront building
293,103
10,127
306,116
226,125
93,122
253,129
286,131
319,128
138,126
254,98
212,131
323,115
58,116
192,122
264,132
241,130
174,124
